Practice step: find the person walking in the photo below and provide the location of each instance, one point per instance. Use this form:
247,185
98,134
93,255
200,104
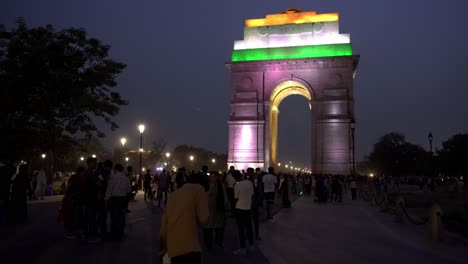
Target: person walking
116,194
164,182
218,204
147,185
187,208
270,182
243,193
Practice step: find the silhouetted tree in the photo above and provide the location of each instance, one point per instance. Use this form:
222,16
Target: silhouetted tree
54,85
393,155
453,156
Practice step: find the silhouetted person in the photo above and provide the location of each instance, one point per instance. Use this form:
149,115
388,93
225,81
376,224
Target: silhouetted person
19,213
104,174
252,177
116,195
7,170
130,195
91,201
180,178
269,188
147,185
164,181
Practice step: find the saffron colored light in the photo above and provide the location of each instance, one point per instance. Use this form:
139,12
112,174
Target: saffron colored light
292,52
292,18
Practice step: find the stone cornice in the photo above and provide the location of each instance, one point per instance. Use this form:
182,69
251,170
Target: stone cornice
295,64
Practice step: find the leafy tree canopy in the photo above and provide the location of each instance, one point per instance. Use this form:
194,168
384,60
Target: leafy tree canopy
54,85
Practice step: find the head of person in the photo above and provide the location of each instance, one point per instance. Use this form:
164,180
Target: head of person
91,163
23,169
107,165
213,176
257,170
271,170
237,175
231,169
164,171
118,167
129,168
204,168
250,173
148,171
80,171
181,171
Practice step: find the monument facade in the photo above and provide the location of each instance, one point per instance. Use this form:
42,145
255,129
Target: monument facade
284,54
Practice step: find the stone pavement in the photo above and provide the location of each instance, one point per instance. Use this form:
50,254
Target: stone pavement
351,232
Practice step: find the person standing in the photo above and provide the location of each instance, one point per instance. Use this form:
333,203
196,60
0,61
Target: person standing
187,208
116,194
104,174
252,177
269,187
41,185
180,178
19,211
91,201
147,185
243,193
130,195
285,191
230,182
7,171
353,187
164,181
218,204
73,203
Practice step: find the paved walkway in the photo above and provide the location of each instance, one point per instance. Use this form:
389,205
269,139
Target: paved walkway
351,232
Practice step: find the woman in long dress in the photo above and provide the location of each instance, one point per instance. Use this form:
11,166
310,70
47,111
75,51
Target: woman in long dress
218,205
41,185
285,191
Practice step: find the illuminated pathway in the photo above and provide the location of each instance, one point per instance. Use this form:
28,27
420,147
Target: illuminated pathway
351,233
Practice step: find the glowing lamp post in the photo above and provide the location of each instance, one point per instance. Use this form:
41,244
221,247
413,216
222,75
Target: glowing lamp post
123,141
213,161
82,158
141,128
43,156
94,155
168,154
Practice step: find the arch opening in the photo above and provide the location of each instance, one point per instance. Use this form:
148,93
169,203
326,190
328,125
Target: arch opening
279,93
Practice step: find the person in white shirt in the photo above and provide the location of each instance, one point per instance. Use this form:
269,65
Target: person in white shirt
243,192
117,190
269,187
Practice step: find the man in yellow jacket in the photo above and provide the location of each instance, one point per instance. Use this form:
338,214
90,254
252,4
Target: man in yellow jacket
186,209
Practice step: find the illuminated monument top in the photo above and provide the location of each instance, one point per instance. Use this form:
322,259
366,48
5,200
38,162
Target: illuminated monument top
290,35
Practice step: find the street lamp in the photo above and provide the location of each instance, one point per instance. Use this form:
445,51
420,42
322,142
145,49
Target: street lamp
43,156
279,164
213,161
191,158
123,141
126,159
141,128
168,154
94,155
286,166
82,158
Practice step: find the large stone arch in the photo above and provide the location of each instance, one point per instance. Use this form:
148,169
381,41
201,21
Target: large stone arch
293,52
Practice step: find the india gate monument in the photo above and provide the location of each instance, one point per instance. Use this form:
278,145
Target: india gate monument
292,53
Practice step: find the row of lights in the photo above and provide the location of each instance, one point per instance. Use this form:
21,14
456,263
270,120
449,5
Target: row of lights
292,168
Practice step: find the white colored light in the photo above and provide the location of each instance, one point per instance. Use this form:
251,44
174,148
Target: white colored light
168,154
123,141
94,155
141,128
43,156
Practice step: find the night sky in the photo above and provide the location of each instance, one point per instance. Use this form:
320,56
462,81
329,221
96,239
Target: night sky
411,77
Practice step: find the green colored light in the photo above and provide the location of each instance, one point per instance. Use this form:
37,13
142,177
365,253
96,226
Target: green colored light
315,51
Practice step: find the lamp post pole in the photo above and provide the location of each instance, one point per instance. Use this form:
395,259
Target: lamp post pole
141,128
